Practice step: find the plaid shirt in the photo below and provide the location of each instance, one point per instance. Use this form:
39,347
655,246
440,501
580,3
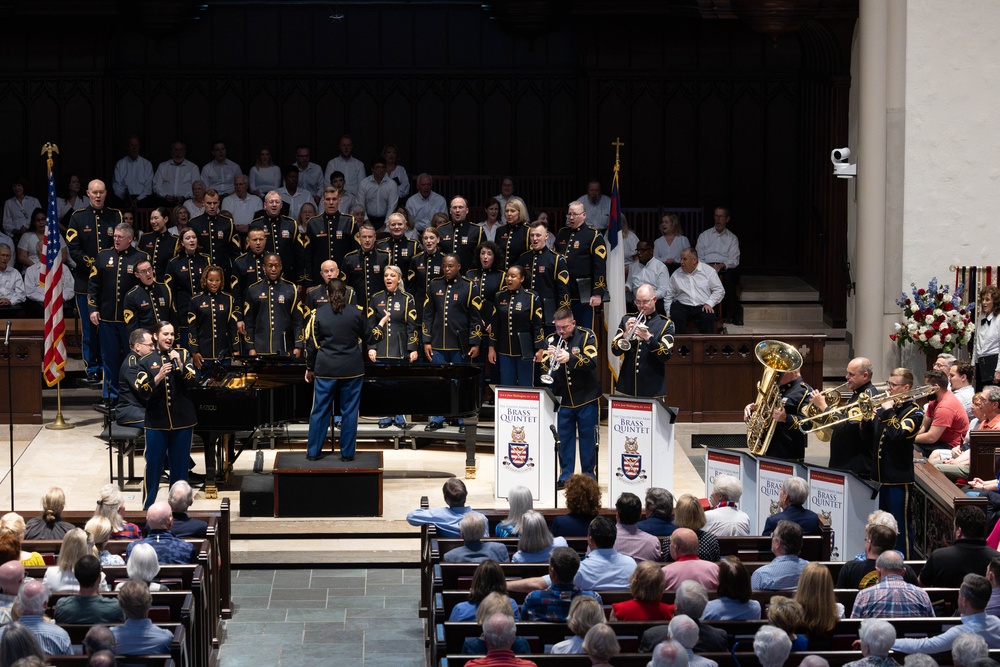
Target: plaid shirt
552,604
892,598
129,531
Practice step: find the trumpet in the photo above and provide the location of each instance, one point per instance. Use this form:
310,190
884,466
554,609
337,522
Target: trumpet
547,378
626,342
863,409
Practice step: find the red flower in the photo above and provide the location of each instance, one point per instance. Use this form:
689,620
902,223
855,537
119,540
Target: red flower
936,325
948,307
893,337
908,302
921,291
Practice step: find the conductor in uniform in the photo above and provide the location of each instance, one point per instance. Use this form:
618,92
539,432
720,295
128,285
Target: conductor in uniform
575,383
649,346
272,319
338,331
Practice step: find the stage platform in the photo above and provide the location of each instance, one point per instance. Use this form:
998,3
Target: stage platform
77,461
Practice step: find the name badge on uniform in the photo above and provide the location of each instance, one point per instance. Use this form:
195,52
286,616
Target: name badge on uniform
439,293
86,228
143,304
184,269
322,234
206,305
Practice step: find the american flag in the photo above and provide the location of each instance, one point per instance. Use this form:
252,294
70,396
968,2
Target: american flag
51,278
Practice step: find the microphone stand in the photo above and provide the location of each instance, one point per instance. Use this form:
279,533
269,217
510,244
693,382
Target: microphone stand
555,481
10,408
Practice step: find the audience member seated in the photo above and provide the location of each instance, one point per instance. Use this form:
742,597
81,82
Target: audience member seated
954,464
495,604
783,572
18,643
75,545
683,630
969,648
695,293
659,519
726,519
861,573
667,248
143,565
32,601
877,638
690,514
520,501
88,606
946,567
11,578
99,638
601,644
771,646
794,492
687,566
690,600
786,614
536,543
488,578
669,654
992,575
733,601
646,585
180,498
34,290
445,518
138,635
973,596
475,550
170,549
552,603
820,609
583,500
111,505
11,534
99,530
892,596
961,381
647,270
49,524
945,422
632,541
11,282
878,518
584,613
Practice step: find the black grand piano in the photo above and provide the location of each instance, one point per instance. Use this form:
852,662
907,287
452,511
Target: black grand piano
258,392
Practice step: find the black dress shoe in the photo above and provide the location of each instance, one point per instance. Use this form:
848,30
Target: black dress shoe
195,477
384,424
403,425
461,428
313,458
433,426
346,458
560,485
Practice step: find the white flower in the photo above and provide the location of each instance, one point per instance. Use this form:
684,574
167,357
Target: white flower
938,312
911,327
929,319
949,337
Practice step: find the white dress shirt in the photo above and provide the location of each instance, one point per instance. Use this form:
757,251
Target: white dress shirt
311,179
193,208
701,286
987,339
243,210
727,522
347,200
422,210
17,214
652,272
401,178
352,168
220,175
264,179
36,292
506,200
664,251
379,199
136,176
295,201
63,206
12,285
716,248
174,180
29,243
597,214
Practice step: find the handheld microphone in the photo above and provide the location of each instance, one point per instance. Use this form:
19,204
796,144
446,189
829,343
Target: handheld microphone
6,335
555,433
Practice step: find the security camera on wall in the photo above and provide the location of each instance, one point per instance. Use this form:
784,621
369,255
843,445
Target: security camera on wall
841,167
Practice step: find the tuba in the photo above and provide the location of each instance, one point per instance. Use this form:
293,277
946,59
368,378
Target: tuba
777,358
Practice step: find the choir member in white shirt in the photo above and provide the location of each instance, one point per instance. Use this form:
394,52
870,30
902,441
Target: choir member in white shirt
173,178
352,168
695,291
292,194
220,172
265,175
598,206
311,177
425,203
242,205
986,346
132,181
11,283
668,247
17,210
378,194
646,270
719,248
73,199
395,171
34,291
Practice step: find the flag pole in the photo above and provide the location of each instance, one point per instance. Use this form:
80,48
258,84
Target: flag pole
59,424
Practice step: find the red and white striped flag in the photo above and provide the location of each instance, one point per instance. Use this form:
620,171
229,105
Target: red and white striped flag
51,277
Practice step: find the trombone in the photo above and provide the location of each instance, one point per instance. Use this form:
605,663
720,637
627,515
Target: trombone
547,378
832,398
626,342
862,409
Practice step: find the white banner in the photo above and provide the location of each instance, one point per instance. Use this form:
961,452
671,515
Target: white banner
523,443
828,498
770,477
641,447
721,463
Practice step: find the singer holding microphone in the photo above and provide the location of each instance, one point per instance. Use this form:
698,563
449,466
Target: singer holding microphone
575,383
163,378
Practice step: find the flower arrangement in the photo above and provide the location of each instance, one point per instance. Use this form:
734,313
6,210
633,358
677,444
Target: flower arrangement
933,319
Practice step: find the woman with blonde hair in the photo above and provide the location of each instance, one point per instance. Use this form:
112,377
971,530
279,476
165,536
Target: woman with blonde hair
646,584
494,603
49,525
786,614
819,603
584,613
536,543
393,321
688,513
13,523
601,644
75,545
520,500
99,529
111,505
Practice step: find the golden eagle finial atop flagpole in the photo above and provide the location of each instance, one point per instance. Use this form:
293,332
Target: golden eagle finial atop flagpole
47,150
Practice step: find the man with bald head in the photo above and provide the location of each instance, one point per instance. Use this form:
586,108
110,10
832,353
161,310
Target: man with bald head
32,600
170,550
459,235
89,231
317,295
649,348
850,448
11,576
687,565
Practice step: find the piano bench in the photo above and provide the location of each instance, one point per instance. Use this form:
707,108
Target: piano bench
123,440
